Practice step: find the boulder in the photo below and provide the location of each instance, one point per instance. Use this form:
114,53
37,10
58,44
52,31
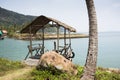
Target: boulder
57,61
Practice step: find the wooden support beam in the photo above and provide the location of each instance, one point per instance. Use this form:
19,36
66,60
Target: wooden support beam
54,45
43,40
30,41
58,38
69,38
65,39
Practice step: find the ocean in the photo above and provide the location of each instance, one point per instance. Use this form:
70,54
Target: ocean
108,53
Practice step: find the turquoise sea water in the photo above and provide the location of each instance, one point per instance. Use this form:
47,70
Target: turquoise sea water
108,54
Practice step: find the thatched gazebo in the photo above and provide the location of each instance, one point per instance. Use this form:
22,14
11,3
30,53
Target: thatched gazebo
39,23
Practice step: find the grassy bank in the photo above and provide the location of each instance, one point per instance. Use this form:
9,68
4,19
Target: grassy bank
7,66
30,73
101,74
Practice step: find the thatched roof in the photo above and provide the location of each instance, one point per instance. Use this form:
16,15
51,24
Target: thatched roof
41,21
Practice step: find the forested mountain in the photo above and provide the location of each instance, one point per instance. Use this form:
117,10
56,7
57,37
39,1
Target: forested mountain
12,21
8,18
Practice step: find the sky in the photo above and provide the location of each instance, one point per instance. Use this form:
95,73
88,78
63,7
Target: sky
71,12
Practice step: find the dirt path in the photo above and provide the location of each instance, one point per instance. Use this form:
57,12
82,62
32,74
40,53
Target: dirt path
16,74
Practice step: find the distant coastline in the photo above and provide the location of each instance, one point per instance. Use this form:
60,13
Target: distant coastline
48,36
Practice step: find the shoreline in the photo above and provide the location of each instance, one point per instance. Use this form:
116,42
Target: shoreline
48,36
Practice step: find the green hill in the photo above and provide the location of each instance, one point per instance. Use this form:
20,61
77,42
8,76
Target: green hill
13,21
8,18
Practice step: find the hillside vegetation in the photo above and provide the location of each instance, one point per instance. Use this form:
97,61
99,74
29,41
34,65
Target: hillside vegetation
13,22
8,18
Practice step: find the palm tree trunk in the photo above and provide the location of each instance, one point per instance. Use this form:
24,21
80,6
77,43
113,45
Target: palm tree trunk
91,60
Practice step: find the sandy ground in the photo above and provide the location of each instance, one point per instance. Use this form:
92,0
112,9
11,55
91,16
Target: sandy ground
16,74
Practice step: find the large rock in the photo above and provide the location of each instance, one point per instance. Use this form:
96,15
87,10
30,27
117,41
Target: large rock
58,61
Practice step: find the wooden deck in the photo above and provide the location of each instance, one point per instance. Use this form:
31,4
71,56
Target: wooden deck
31,62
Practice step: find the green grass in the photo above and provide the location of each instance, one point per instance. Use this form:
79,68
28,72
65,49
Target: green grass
7,65
53,74
103,74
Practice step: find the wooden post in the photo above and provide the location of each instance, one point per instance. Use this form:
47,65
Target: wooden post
43,40
69,38
54,46
58,38
65,39
30,41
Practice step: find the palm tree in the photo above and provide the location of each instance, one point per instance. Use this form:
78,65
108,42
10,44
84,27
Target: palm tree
91,60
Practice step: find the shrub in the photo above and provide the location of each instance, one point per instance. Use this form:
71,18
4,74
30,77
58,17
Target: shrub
102,74
51,73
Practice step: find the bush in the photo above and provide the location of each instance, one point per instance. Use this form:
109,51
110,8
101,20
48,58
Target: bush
52,74
102,74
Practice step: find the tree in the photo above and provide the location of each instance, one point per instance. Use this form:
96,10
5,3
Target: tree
91,60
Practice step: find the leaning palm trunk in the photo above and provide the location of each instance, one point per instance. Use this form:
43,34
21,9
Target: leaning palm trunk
91,61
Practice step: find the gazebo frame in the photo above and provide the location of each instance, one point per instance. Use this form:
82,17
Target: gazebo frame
39,23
